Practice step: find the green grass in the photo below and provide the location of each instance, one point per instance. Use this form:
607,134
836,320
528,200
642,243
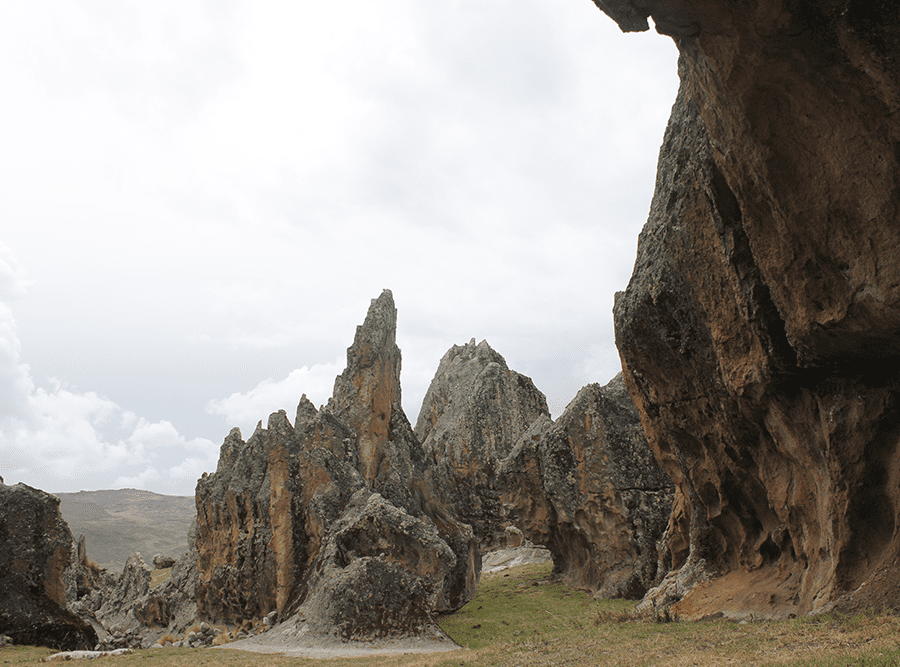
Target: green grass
523,606
158,577
520,618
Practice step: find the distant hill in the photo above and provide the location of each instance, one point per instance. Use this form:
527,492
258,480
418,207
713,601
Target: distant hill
116,523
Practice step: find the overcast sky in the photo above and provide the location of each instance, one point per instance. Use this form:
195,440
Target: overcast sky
200,200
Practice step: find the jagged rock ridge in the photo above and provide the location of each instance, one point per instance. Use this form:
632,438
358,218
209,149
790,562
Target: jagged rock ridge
587,487
759,332
340,524
331,521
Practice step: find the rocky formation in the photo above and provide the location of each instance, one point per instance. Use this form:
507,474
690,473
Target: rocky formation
380,574
35,550
83,579
587,487
161,562
332,520
119,603
124,610
759,332
473,413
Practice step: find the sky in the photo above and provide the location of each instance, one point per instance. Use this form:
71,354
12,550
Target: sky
200,200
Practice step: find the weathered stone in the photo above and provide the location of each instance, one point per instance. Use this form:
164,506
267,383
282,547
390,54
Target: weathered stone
86,584
161,562
268,514
588,488
263,514
367,394
387,452
381,573
172,606
473,413
35,550
759,332
132,586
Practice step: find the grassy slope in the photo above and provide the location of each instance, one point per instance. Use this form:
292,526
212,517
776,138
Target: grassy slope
117,523
519,618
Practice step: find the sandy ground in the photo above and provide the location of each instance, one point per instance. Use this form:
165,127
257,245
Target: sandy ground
323,650
502,559
287,640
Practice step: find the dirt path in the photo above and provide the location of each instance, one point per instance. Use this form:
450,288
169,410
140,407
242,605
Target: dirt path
298,648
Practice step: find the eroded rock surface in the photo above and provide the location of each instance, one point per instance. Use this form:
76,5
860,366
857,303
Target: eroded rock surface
759,332
588,488
35,551
333,517
471,417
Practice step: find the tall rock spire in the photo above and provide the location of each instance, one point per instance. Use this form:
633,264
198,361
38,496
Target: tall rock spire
366,395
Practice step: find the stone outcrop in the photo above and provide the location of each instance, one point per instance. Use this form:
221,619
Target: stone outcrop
85,580
588,488
332,519
171,607
759,332
132,586
35,551
473,413
262,516
379,574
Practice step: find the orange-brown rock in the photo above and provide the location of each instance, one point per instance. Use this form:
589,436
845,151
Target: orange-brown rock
343,491
262,515
588,488
35,551
759,332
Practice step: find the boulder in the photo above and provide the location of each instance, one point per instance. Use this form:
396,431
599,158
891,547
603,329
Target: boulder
161,562
473,413
759,332
380,574
588,488
35,550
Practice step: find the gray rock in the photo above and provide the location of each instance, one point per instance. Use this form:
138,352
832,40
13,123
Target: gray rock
161,562
35,550
473,413
133,586
380,574
589,489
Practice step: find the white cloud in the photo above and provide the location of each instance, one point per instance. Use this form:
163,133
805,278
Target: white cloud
60,439
246,409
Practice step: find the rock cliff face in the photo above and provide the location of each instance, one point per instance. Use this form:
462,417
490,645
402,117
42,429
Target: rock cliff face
587,487
333,520
759,332
35,550
473,413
